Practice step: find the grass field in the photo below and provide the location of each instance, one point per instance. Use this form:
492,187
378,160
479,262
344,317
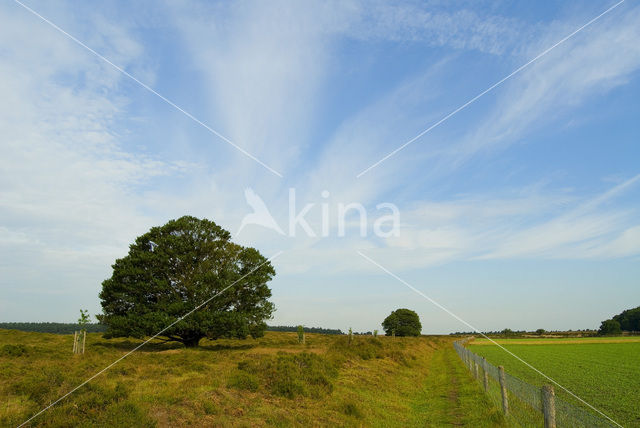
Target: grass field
605,372
270,381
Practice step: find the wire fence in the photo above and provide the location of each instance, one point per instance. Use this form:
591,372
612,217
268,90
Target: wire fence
524,404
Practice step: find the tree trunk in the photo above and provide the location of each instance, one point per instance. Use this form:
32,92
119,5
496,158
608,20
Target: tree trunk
191,342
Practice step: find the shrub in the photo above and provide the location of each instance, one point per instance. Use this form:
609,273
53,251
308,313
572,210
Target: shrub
291,375
13,350
350,408
244,381
40,386
365,348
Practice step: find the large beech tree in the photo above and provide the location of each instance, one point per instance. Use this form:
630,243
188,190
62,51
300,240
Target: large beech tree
402,322
172,269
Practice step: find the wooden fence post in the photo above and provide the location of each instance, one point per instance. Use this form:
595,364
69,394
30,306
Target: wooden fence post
549,406
476,369
75,341
503,388
486,374
84,339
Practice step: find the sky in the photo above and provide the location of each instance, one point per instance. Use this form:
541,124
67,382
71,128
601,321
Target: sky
520,210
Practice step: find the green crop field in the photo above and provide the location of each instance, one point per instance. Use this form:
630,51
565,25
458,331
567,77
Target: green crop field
271,381
605,372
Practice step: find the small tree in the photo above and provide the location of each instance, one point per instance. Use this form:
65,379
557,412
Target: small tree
375,333
350,335
300,334
610,327
84,318
80,337
540,331
402,322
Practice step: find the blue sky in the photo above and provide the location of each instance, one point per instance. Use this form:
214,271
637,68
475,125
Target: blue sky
520,211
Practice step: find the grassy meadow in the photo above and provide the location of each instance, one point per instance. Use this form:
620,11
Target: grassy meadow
605,371
271,381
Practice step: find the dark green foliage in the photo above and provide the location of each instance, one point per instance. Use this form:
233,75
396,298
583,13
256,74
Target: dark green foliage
610,327
402,322
291,328
13,350
300,334
172,269
291,375
350,408
629,320
540,331
53,327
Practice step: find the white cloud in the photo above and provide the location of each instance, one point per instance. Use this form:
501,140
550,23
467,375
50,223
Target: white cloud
594,61
70,189
429,23
74,194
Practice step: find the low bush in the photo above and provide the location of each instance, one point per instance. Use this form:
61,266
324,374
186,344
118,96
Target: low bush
291,375
244,381
13,350
350,408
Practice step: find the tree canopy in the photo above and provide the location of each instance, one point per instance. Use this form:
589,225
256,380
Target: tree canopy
402,322
172,269
629,320
610,327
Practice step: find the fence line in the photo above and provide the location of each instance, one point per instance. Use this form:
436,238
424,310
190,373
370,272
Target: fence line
525,404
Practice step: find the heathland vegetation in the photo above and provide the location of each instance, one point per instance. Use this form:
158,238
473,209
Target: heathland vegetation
272,380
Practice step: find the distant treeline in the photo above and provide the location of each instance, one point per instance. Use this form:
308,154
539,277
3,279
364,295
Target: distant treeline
519,333
69,328
52,327
306,329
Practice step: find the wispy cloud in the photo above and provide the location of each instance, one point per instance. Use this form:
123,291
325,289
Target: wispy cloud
431,23
89,163
69,184
600,58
